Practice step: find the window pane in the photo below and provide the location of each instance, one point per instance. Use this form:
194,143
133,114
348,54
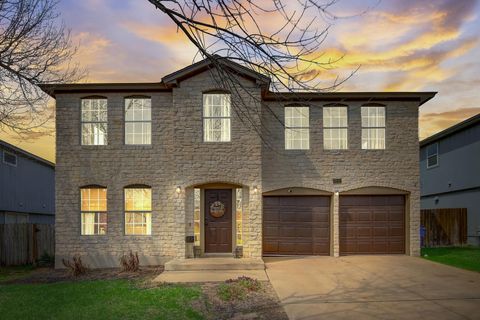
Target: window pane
373,138
297,117
138,223
432,150
335,117
297,138
216,105
238,215
94,110
335,139
93,223
432,161
94,133
138,199
216,129
93,199
373,116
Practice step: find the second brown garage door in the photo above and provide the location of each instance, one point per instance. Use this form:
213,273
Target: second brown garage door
372,224
296,225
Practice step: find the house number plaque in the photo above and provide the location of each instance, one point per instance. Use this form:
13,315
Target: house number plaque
217,209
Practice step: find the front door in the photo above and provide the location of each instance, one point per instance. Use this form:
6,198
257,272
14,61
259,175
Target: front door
218,220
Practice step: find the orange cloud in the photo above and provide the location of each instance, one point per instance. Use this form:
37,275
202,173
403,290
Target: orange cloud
431,123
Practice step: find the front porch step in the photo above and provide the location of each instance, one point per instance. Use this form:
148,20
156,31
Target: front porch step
212,264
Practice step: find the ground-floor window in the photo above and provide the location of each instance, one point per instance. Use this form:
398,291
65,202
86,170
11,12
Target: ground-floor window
93,211
138,211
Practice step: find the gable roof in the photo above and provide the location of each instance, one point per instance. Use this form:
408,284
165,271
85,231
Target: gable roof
11,148
451,130
191,70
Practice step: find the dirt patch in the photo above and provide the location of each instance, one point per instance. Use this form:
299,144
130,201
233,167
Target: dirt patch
260,304
49,275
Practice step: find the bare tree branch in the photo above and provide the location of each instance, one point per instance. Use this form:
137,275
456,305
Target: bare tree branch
34,48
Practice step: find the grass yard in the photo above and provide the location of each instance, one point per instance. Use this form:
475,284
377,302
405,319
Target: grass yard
462,257
99,299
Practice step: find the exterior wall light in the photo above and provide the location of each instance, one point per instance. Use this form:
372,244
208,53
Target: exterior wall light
178,190
255,190
336,193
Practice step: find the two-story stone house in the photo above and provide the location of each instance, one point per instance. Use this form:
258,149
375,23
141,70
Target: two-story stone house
171,170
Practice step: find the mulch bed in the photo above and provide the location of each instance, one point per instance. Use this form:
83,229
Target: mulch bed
262,304
49,275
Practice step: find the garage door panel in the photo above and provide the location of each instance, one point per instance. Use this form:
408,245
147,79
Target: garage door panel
372,224
299,226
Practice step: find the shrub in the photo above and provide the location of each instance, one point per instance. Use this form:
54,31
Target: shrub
75,266
237,289
46,260
129,262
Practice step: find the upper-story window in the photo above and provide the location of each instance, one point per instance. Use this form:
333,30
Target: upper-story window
373,127
93,210
432,155
216,117
94,121
335,128
297,128
138,121
138,211
9,158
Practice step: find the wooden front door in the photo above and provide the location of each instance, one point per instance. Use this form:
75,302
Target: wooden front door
218,220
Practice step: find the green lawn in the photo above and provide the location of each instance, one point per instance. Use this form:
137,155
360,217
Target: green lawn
461,257
101,299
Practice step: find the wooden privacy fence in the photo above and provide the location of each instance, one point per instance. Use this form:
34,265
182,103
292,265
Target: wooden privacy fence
444,227
25,243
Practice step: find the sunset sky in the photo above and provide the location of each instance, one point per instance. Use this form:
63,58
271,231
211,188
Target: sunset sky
407,45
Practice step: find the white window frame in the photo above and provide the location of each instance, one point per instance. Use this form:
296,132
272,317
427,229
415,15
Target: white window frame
291,128
96,216
366,128
209,118
146,215
83,122
11,154
432,155
335,128
146,139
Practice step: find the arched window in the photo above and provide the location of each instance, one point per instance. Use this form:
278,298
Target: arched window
138,210
335,127
94,118
93,210
373,126
216,117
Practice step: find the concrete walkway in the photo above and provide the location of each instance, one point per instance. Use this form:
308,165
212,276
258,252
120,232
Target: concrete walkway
373,287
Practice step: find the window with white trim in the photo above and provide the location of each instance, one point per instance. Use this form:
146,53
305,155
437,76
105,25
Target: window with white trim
138,211
297,128
94,122
93,210
373,127
216,117
432,155
9,158
335,128
138,121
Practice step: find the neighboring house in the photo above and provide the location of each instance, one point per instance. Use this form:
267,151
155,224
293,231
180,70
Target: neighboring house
27,187
170,170
450,172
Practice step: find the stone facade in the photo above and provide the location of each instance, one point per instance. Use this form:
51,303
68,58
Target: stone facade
178,157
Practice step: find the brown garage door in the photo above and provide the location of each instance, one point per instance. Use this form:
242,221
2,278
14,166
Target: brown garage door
372,224
296,225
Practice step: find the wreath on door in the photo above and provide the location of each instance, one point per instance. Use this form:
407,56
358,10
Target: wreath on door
217,209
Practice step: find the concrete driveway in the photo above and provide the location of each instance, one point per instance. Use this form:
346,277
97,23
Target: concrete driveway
373,287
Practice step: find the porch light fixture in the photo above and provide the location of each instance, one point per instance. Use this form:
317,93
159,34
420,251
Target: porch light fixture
336,193
178,190
255,190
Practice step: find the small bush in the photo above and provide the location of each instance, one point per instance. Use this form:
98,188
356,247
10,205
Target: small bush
249,283
75,266
130,262
46,260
